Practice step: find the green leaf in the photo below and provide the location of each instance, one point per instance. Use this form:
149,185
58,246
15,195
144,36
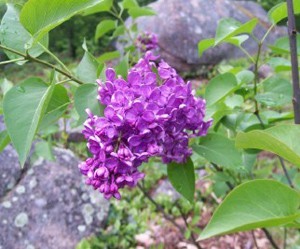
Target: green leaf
244,77
41,16
87,70
120,30
128,4
84,244
279,11
109,56
23,107
281,140
204,45
5,86
249,159
57,106
122,67
280,64
220,87
234,101
104,27
4,140
277,92
229,27
136,12
86,97
182,177
15,36
208,43
217,112
274,116
103,6
44,150
282,45
237,40
220,150
254,204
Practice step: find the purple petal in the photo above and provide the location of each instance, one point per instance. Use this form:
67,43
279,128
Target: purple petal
134,78
110,74
135,140
150,78
109,112
164,73
148,116
112,163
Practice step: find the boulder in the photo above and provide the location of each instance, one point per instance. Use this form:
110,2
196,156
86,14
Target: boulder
181,24
10,171
50,207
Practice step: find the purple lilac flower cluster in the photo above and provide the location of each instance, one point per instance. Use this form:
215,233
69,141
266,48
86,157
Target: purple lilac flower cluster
147,41
149,115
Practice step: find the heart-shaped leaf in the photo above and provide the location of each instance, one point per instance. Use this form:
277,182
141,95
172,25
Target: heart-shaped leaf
41,16
220,150
254,204
182,177
282,140
24,107
15,36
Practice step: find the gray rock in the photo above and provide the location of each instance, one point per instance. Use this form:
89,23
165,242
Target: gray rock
51,207
166,188
2,125
10,170
181,24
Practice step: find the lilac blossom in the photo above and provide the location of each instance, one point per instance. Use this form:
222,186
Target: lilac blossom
147,41
148,115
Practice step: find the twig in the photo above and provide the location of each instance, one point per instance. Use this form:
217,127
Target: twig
270,238
159,208
284,238
30,58
294,60
254,239
217,168
286,172
56,59
11,61
187,226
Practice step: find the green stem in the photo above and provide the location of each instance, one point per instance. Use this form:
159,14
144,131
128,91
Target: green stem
246,53
55,58
267,33
115,14
159,208
64,81
46,64
11,61
187,226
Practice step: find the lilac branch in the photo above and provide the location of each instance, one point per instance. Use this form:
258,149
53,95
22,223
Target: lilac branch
294,60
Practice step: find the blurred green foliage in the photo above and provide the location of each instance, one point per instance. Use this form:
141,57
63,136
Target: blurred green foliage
268,4
68,37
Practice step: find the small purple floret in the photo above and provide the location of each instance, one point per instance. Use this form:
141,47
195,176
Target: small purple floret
147,41
149,115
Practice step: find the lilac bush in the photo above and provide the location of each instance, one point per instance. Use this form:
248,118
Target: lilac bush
149,115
